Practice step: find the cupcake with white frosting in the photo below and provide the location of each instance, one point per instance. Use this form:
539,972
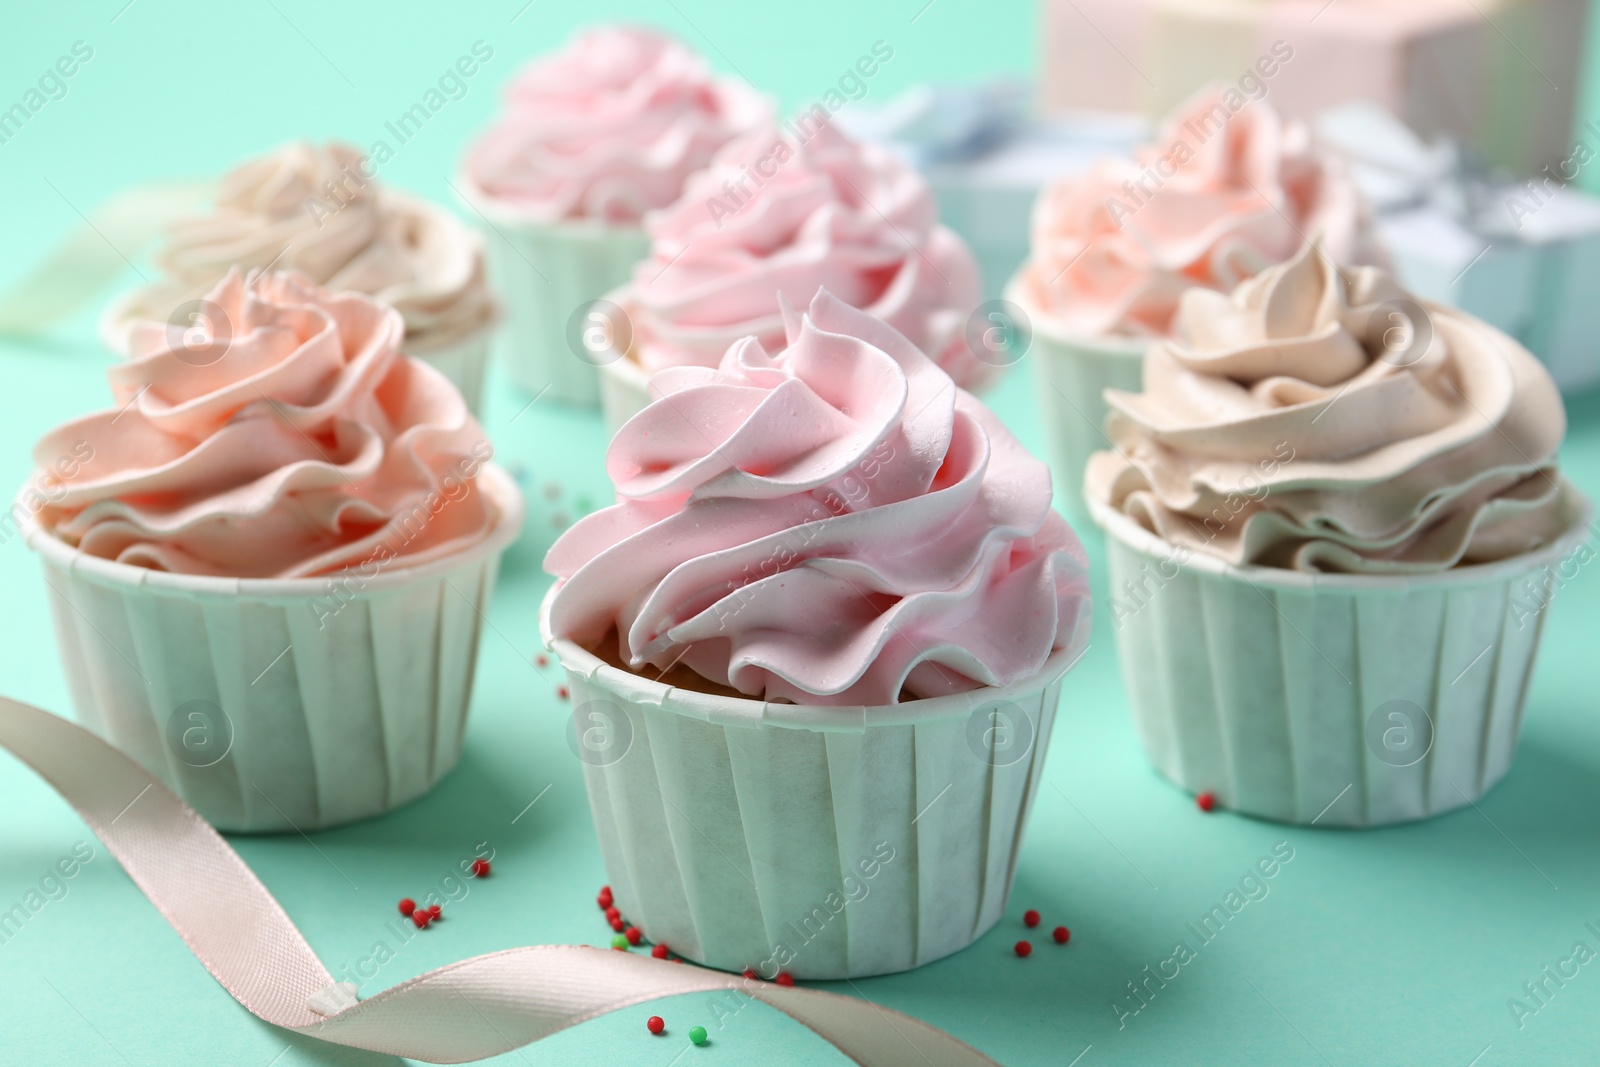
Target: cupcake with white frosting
1325,513
316,210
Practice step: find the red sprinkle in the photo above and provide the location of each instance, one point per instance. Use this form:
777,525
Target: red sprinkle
561,692
655,1024
618,925
1061,934
480,868
422,917
1023,949
543,660
1030,918
633,935
407,905
434,911
604,899
1206,801
612,913
659,952
785,978
750,974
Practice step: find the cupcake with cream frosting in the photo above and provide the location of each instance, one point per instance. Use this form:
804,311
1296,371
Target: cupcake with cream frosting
1219,196
590,140
277,479
780,213
1357,489
832,578
316,210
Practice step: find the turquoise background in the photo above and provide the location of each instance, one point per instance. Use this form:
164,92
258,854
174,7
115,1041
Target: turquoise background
1393,946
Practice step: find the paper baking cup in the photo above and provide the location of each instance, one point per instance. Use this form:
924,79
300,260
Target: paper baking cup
1072,375
464,362
1339,700
861,840
624,391
545,274
279,705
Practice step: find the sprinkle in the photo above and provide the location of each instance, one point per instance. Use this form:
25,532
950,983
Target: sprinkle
1030,918
422,917
407,905
542,660
604,899
697,1034
785,978
659,952
618,925
655,1024
1061,934
1206,801
633,935
1023,949
748,973
620,942
612,914
435,911
480,868
561,692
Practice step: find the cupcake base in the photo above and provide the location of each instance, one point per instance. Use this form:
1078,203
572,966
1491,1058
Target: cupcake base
274,705
464,362
1339,700
624,391
827,842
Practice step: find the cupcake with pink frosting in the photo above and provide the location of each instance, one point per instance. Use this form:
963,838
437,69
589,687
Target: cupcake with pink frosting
778,214
316,210
1219,196
833,589
591,139
269,558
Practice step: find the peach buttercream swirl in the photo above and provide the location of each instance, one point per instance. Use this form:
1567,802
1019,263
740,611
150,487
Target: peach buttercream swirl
316,210
836,524
1219,196
1322,420
781,213
282,436
608,128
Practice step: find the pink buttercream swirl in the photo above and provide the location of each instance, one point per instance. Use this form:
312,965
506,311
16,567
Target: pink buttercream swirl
283,436
836,524
786,212
608,128
1220,195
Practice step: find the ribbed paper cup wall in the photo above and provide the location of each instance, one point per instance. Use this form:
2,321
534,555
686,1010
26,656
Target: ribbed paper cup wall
828,842
1339,700
279,705
463,362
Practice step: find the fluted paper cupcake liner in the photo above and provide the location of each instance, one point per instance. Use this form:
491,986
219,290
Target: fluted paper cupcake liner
828,842
464,362
624,391
273,705
1072,375
1339,700
544,273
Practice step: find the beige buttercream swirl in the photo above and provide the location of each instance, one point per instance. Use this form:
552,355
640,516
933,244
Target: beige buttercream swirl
1323,420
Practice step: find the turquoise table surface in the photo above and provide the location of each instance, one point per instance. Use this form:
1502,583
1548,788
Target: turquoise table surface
1384,947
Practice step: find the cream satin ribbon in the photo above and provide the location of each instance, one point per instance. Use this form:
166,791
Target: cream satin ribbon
480,1007
93,256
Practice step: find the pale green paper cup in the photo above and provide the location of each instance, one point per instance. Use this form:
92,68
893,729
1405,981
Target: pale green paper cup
828,842
545,274
624,391
1338,700
274,705
1072,374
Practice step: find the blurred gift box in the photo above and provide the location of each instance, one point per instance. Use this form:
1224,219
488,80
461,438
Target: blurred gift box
1521,255
986,158
1498,75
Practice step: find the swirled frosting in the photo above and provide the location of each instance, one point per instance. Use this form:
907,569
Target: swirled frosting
1326,421
780,213
311,209
836,524
284,436
1218,197
608,128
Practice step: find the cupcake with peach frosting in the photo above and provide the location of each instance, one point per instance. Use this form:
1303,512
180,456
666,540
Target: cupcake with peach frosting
315,210
282,535
779,214
591,139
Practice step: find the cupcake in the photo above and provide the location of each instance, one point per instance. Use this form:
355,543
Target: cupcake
1223,192
316,210
1333,516
592,138
815,654
270,559
780,213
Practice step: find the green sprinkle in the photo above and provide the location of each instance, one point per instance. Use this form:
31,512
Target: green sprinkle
619,942
697,1034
